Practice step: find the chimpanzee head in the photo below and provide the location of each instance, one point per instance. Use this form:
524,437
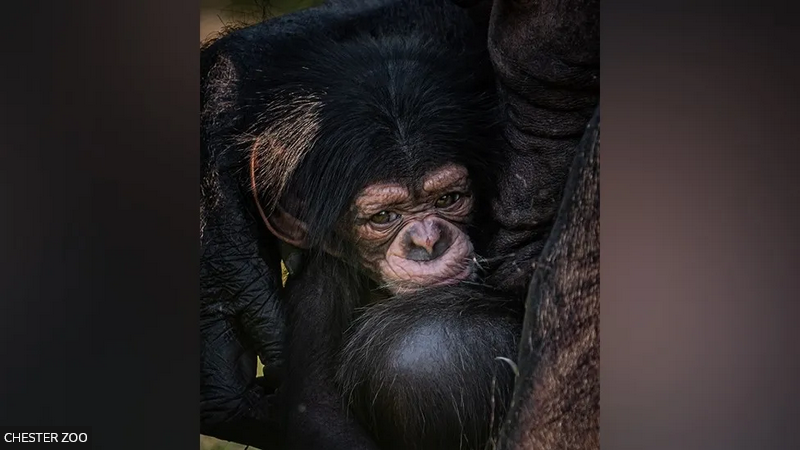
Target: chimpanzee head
380,156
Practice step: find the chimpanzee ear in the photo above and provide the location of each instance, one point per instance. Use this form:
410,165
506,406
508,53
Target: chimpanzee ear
287,228
282,224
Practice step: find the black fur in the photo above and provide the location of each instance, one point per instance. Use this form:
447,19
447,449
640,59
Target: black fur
369,100
430,370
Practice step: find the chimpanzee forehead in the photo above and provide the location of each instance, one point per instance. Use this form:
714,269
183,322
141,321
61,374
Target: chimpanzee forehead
378,194
425,180
448,175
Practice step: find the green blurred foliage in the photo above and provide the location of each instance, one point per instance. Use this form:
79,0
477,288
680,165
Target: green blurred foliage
221,16
209,443
251,11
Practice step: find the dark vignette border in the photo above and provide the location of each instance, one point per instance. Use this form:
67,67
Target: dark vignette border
100,171
699,226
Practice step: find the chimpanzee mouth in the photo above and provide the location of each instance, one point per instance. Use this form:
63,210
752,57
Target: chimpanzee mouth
467,272
401,274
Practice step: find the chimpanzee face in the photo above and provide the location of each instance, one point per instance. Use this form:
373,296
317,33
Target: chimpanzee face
413,236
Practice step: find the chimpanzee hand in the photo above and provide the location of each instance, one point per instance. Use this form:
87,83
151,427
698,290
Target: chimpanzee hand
240,319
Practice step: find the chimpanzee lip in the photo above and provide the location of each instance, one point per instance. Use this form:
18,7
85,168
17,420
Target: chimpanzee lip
452,269
454,277
460,276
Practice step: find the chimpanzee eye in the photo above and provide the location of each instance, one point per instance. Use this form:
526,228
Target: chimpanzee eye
447,200
384,217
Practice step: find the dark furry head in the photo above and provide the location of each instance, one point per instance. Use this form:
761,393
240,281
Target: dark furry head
335,114
430,370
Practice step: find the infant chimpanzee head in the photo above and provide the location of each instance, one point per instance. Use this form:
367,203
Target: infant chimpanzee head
384,166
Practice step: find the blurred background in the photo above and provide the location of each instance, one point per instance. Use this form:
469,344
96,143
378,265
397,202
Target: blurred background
216,16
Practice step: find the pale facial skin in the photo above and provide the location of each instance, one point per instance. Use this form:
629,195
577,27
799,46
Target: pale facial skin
414,238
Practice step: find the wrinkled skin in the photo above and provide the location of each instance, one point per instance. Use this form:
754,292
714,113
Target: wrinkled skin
412,237
546,55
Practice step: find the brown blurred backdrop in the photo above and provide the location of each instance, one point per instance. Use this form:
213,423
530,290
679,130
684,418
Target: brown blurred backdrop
217,14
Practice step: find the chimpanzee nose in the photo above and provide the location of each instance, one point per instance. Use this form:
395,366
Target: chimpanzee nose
426,241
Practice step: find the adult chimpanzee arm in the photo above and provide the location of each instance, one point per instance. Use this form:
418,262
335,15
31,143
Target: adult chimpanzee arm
239,318
239,276
240,268
556,399
546,58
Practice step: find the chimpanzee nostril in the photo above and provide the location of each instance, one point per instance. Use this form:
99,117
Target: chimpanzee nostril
427,242
440,247
416,253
